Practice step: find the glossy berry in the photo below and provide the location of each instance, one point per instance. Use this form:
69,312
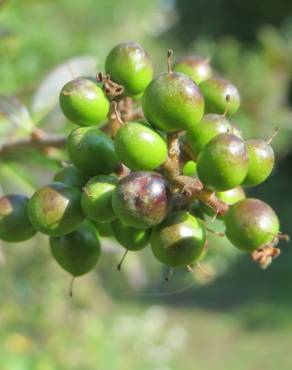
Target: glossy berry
104,228
223,163
139,147
179,240
131,238
261,162
14,222
96,200
77,252
55,209
173,102
251,224
92,151
142,199
83,102
197,68
71,176
190,169
210,126
220,96
129,65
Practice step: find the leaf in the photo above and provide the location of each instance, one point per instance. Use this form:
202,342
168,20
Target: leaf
46,96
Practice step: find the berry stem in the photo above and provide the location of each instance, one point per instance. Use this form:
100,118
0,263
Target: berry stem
71,286
119,266
275,133
169,60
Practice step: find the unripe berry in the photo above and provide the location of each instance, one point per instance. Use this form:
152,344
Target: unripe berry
129,65
197,68
104,228
14,222
190,169
131,238
83,102
71,176
251,224
173,102
179,240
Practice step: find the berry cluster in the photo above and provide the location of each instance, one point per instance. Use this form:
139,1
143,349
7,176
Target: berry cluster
151,175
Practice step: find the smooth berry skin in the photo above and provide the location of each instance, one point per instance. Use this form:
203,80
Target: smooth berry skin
173,102
104,228
129,65
131,238
251,224
197,68
55,209
210,126
92,151
139,147
223,163
77,252
96,200
71,176
142,199
83,102
14,222
179,240
215,91
261,162
190,169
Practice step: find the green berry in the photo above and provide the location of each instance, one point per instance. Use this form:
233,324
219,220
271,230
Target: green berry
223,163
251,224
131,238
179,240
104,228
197,68
83,102
77,252
220,96
139,147
210,126
173,102
14,222
96,200
261,162
190,169
129,65
71,176
92,151
55,209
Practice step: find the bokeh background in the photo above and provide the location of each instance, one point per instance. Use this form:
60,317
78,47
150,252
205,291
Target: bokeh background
237,318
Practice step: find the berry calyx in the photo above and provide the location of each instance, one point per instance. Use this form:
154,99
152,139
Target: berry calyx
71,176
197,68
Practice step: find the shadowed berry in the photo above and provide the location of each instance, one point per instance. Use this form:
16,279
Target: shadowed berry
197,68
71,176
104,228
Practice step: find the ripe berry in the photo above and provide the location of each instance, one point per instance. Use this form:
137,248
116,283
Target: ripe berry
139,147
129,65
190,168
251,224
71,176
55,209
223,163
179,240
210,126
220,96
78,251
14,222
197,68
83,102
173,102
131,238
261,162
96,200
92,151
141,199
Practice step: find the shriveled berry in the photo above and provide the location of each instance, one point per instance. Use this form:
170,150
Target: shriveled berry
139,147
83,102
55,209
261,162
77,252
14,222
173,102
131,238
142,199
96,200
179,240
223,163
92,151
71,176
129,65
197,68
251,224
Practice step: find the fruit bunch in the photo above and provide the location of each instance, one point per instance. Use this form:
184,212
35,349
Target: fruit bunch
151,160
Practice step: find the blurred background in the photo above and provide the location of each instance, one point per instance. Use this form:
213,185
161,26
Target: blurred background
239,317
